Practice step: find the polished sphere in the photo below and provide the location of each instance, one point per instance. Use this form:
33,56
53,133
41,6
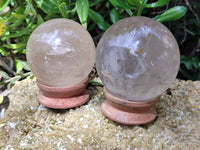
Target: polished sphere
61,53
137,59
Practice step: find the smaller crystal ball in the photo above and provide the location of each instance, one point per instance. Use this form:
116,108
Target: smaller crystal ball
137,59
60,52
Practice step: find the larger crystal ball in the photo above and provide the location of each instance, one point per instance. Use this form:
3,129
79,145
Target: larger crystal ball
137,59
60,52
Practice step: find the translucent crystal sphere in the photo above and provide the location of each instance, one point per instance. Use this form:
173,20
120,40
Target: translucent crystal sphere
137,59
60,52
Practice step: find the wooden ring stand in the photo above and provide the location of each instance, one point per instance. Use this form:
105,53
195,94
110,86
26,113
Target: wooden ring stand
63,98
128,112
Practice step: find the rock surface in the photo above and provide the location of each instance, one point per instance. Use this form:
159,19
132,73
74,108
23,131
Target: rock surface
28,125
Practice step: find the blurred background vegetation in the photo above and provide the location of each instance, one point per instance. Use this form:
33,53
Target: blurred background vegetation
18,18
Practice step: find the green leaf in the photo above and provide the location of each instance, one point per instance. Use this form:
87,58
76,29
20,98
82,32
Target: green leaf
129,12
123,4
16,78
95,17
4,75
185,73
19,66
135,2
190,62
159,3
95,82
4,4
189,31
172,14
20,51
48,6
39,20
54,1
2,83
82,8
95,2
26,74
103,25
20,9
19,33
3,51
114,15
25,65
98,19
18,16
16,23
29,8
14,46
62,10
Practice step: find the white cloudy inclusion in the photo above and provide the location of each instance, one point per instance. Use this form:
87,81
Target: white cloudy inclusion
61,53
137,58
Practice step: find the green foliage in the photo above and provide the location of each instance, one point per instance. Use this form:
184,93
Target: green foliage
82,7
190,67
114,15
4,4
10,81
98,19
22,17
121,4
135,2
172,14
4,75
159,3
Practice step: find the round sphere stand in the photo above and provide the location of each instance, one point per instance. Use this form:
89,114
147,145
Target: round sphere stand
61,97
128,112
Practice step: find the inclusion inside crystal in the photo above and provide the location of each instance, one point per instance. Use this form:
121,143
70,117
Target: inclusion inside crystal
137,58
61,53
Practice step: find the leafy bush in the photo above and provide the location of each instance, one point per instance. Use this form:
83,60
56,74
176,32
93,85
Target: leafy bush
187,33
190,67
19,18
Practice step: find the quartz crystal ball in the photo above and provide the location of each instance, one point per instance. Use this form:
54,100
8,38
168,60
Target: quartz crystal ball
137,59
61,53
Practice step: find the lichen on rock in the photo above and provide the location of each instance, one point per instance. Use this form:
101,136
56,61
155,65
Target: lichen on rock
29,125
